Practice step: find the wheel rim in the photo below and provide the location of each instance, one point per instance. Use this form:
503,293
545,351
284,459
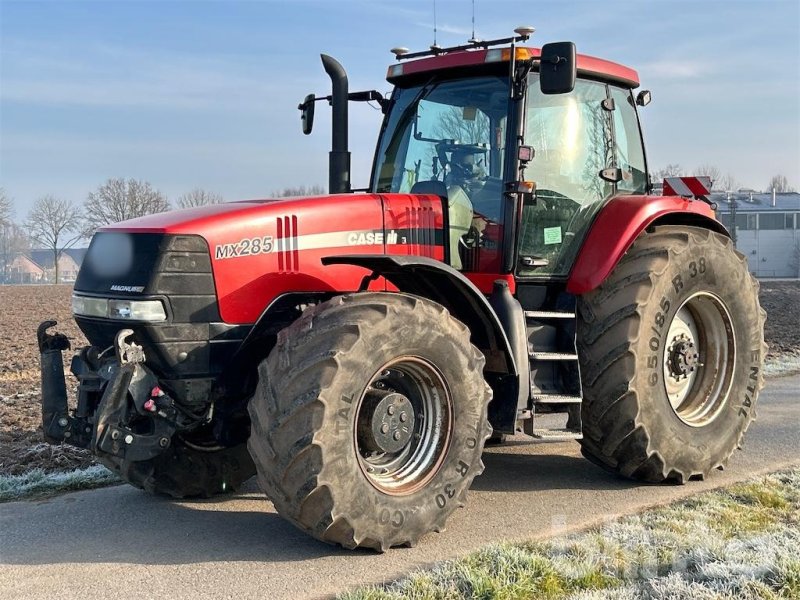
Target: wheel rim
699,359
403,425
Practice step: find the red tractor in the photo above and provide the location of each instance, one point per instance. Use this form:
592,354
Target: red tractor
508,266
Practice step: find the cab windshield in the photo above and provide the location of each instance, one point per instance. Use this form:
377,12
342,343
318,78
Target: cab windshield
448,138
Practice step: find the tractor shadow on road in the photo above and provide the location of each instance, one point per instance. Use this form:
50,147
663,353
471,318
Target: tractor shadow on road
510,471
124,525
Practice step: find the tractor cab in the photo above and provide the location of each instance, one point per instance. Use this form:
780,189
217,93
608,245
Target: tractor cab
524,162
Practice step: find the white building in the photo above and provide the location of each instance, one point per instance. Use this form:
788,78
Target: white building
767,229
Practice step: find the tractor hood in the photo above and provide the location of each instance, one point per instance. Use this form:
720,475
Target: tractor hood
244,255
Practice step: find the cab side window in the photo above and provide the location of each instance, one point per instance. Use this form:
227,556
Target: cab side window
628,151
573,141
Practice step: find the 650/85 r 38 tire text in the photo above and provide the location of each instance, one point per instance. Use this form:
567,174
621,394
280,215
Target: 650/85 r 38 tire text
671,348
369,419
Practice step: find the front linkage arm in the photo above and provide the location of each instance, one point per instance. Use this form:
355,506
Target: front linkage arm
100,425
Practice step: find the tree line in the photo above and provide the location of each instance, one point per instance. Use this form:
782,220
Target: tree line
57,224
722,182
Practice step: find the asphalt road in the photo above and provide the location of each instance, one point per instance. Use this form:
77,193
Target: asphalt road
119,542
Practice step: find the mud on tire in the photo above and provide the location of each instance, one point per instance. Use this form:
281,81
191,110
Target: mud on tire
332,448
671,348
186,470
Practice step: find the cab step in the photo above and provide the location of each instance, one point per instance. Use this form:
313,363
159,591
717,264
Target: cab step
539,398
556,435
553,356
548,314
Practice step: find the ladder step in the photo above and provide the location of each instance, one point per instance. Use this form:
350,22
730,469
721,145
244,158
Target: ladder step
553,356
557,435
549,314
556,399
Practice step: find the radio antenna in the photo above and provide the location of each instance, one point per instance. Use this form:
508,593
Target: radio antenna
473,39
435,45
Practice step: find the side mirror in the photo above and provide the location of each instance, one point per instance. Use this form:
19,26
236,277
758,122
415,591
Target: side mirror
558,68
307,113
643,98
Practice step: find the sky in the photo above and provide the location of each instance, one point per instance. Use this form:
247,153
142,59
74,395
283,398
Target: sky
187,94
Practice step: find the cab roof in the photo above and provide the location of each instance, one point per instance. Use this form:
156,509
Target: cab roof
588,66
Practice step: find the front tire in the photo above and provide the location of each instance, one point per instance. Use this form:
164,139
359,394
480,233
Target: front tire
187,469
369,420
671,348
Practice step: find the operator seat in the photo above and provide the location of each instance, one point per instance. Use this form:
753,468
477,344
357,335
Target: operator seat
459,209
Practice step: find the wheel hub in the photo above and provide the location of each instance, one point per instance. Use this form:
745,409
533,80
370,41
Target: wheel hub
391,424
683,357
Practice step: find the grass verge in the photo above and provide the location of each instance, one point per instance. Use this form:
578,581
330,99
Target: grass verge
737,543
37,483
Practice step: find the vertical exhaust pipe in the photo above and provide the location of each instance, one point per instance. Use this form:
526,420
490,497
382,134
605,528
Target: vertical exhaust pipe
339,157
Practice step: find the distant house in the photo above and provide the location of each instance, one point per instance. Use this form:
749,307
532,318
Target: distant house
24,270
68,264
766,229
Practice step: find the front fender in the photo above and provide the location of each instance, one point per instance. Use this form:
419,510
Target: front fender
619,224
441,283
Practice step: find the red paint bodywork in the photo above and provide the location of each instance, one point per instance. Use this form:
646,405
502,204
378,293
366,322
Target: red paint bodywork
304,230
587,65
617,226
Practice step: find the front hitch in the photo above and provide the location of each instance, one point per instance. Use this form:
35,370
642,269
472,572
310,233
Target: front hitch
111,434
55,414
101,426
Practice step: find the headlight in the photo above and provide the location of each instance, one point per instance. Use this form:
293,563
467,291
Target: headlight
129,310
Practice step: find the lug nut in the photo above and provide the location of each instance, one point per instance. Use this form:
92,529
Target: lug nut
163,442
384,428
129,439
396,436
390,410
403,417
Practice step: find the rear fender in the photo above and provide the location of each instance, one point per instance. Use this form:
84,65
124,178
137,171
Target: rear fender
618,225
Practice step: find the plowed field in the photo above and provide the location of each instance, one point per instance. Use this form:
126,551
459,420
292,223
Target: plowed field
22,308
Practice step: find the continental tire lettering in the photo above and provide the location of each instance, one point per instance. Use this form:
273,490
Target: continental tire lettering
750,391
395,518
442,498
343,415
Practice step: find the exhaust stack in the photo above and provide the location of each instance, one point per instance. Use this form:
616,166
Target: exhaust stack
339,157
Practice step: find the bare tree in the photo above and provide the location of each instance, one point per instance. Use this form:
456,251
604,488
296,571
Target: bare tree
13,241
118,200
312,190
671,170
9,234
55,224
6,208
727,183
712,172
779,183
199,197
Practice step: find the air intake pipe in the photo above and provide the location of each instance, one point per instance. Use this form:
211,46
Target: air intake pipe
339,157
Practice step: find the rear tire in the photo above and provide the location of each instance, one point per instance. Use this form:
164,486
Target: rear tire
671,348
369,420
